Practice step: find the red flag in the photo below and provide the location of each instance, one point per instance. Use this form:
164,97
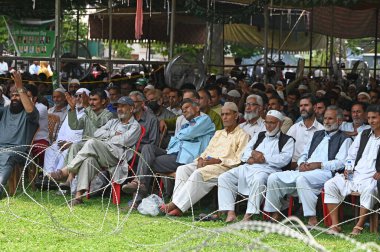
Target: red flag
139,19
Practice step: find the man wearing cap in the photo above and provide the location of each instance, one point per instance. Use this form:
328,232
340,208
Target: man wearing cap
302,89
364,97
56,153
276,103
74,85
106,149
193,181
233,96
323,156
266,153
60,104
253,122
185,146
140,84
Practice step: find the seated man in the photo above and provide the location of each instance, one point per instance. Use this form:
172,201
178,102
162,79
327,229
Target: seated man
253,122
358,124
18,124
60,104
56,153
195,180
323,156
105,150
364,156
266,153
186,145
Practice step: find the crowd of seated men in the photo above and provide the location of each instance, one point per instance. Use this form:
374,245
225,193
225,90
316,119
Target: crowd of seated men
265,141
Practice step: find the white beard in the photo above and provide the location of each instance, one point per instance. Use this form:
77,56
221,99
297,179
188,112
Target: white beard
333,127
273,132
251,115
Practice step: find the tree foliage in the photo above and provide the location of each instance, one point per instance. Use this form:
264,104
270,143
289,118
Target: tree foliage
69,26
242,51
121,50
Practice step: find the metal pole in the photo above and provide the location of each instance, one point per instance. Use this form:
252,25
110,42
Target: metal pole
266,23
57,39
311,41
109,63
77,44
172,28
280,37
376,41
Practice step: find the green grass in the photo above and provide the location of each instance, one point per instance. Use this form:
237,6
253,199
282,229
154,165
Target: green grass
49,225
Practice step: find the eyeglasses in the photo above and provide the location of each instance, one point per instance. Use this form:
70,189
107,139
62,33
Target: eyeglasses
251,104
78,95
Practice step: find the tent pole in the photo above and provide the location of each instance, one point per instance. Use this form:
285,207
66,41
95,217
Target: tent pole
376,41
77,37
57,39
109,39
266,23
311,40
172,27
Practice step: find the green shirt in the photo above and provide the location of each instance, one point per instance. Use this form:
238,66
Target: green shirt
90,122
215,118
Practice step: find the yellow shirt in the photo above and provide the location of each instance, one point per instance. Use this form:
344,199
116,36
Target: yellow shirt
226,147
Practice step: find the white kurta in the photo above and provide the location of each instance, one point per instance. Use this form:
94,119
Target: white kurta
302,135
253,129
306,185
251,179
337,188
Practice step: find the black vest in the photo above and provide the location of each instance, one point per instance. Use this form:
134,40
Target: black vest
334,143
283,139
363,143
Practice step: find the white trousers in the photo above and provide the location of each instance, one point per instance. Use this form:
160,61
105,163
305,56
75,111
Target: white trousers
228,189
295,183
190,187
54,158
337,188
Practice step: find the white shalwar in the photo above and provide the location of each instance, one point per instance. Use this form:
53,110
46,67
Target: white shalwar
337,188
251,179
306,185
54,157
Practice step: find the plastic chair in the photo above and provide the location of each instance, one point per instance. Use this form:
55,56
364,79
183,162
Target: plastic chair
116,188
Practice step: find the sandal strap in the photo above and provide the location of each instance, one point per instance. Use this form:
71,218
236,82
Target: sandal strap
358,228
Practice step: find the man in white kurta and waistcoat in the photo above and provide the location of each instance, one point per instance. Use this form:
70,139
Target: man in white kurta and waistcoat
261,157
323,156
193,181
364,155
105,150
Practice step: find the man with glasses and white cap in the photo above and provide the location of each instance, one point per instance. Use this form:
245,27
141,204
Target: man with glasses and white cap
323,156
266,153
56,153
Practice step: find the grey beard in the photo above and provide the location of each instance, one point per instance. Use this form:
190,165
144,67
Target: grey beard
251,115
333,127
274,132
306,115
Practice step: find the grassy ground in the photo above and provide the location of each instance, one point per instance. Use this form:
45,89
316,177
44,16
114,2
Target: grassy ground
45,223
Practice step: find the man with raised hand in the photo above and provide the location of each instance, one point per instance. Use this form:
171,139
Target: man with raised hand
266,153
105,150
18,125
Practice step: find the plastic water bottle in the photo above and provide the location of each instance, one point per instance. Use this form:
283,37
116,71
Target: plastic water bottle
350,170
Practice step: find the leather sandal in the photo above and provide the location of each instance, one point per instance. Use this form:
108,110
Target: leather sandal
359,231
57,175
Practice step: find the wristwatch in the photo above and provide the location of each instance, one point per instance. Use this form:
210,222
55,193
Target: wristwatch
21,90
